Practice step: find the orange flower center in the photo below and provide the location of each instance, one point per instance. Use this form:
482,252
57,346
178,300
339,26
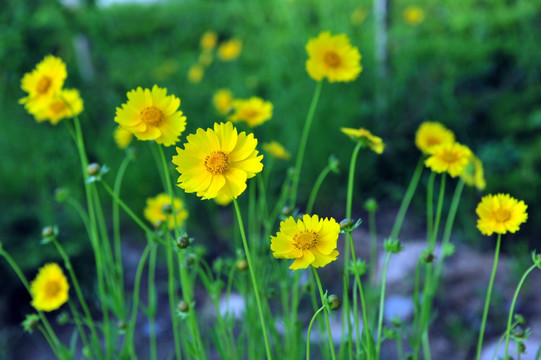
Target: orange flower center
249,114
449,157
52,288
332,59
57,106
43,84
432,141
305,240
502,215
152,115
217,163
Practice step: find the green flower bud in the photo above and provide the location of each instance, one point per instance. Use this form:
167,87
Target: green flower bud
392,246
242,265
371,205
93,169
167,209
183,242
47,231
62,318
334,164
183,306
30,323
334,302
428,257
287,211
348,225
61,194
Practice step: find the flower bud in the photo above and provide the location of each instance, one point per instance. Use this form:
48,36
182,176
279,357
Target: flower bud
428,257
30,323
47,231
121,325
334,302
346,224
242,265
371,205
62,318
167,209
93,169
190,259
287,211
183,242
392,246
334,164
183,306
61,194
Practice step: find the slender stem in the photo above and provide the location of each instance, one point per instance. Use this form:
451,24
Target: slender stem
82,213
152,301
487,300
254,279
382,303
310,330
351,177
430,205
172,290
322,295
50,341
78,323
373,246
315,189
304,140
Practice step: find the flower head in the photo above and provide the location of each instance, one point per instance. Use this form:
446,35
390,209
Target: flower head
67,103
451,158
49,289
413,15
254,111
122,137
310,241
473,175
44,82
230,49
195,73
332,57
275,149
431,134
209,40
152,115
217,161
375,143
500,213
222,100
159,209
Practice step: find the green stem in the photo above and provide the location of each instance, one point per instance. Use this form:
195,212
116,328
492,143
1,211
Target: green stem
82,213
351,177
382,303
78,324
254,279
315,189
310,330
373,246
152,301
324,302
172,290
487,299
302,144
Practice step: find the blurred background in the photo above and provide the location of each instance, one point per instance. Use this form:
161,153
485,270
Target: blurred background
471,64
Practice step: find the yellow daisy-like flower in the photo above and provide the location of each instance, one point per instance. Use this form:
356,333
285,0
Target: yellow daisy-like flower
209,40
67,103
43,83
332,57
450,158
49,289
310,241
474,173
222,100
152,115
195,73
500,213
276,150
159,209
254,111
431,134
375,143
413,15
217,161
230,50
122,137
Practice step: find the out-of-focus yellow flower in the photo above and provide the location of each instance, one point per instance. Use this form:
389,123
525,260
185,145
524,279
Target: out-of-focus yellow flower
159,210
310,241
209,40
500,214
358,16
431,134
50,288
413,15
365,137
195,73
451,158
122,137
332,57
254,111
230,50
474,174
152,115
222,100
217,162
67,103
205,58
275,149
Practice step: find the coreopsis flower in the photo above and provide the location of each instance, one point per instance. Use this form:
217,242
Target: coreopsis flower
374,143
254,111
451,158
230,49
195,73
413,15
152,115
332,57
122,137
208,40
275,149
43,83
431,134
67,103
50,288
159,209
474,173
310,241
217,162
222,100
500,214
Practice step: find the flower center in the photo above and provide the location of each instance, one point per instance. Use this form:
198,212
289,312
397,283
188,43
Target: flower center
217,163
151,115
502,215
250,114
432,141
449,157
305,240
57,106
43,85
332,59
52,288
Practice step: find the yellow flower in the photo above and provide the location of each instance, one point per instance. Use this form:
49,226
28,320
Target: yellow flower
222,100
358,15
205,58
254,111
451,158
159,209
375,143
413,15
431,134
332,57
67,103
217,161
122,137
43,83
310,241
230,50
276,150
152,115
195,73
500,213
50,288
209,40
474,173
